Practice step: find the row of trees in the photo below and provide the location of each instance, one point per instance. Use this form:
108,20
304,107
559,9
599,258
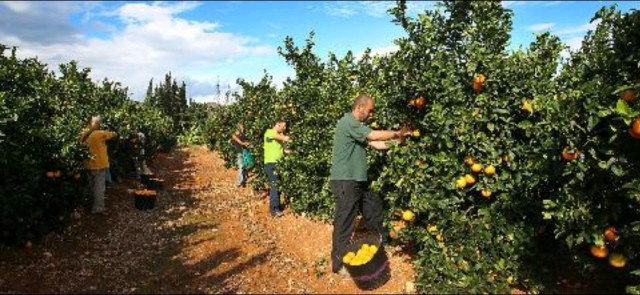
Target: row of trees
553,141
41,117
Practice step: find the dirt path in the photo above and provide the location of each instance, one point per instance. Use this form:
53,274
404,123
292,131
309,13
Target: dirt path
204,236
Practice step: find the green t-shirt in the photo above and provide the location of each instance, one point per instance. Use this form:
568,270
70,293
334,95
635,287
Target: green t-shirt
349,160
273,150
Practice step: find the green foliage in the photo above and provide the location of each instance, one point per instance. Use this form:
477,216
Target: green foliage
41,117
171,99
531,108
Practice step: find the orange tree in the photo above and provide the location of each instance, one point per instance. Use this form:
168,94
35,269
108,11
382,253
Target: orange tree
597,204
505,143
317,97
474,225
41,116
256,107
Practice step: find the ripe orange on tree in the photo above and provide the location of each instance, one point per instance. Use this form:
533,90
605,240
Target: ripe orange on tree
629,96
485,193
610,233
617,260
599,251
408,215
635,128
461,182
476,168
479,79
477,87
469,179
490,170
469,160
419,102
569,156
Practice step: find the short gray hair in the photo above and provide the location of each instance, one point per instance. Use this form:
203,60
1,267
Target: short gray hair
96,119
361,100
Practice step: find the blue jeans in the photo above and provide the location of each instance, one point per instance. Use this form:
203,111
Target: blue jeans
107,177
274,197
243,174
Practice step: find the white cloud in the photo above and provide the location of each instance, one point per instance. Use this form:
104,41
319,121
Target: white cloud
341,9
573,36
152,42
541,27
384,50
509,4
273,25
17,6
140,12
372,8
376,8
581,29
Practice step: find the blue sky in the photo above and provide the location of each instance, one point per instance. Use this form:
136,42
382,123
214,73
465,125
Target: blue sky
203,42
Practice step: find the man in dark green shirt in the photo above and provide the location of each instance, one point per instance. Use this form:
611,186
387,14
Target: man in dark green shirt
348,178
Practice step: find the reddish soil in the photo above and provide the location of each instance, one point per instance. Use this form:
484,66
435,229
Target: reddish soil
203,236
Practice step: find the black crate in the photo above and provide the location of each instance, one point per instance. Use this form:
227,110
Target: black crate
374,273
145,179
155,184
143,202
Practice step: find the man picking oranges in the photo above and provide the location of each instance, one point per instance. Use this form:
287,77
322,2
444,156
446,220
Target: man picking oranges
348,179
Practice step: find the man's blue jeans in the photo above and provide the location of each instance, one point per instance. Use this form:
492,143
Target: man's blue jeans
274,197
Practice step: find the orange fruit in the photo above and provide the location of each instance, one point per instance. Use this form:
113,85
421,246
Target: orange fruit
476,168
526,106
469,160
51,174
635,126
617,260
416,133
490,170
479,79
57,174
611,234
432,228
461,183
477,87
469,179
629,96
419,102
485,193
408,215
599,252
633,134
568,156
397,226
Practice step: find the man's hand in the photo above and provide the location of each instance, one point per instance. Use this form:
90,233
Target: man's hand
402,134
